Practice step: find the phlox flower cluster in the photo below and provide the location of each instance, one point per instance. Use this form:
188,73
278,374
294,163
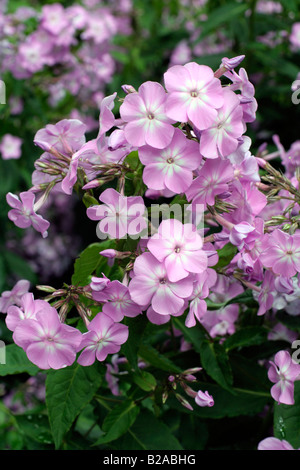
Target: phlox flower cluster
74,41
187,139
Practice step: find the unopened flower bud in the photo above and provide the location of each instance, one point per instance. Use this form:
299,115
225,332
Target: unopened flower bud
232,63
128,89
165,396
204,399
184,402
109,253
46,288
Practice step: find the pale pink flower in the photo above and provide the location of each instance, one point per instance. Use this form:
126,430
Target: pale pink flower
118,302
54,18
204,399
161,319
197,304
282,253
220,139
146,122
66,136
179,246
150,285
272,443
283,372
104,337
119,215
14,296
213,180
48,343
295,36
267,293
194,94
27,310
172,167
10,147
23,213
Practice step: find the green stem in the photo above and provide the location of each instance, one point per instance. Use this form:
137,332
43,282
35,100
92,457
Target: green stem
253,392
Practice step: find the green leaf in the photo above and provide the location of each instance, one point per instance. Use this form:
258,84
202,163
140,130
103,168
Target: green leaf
35,426
136,328
144,380
148,433
246,298
287,418
225,255
16,264
215,361
193,335
290,321
118,421
244,337
153,357
68,391
221,15
90,260
16,362
213,356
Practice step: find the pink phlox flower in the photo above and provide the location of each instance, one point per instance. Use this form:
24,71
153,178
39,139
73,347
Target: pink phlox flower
23,213
14,296
252,269
150,285
54,18
295,37
98,286
112,369
221,138
280,332
27,310
194,94
106,116
283,372
67,136
244,164
31,57
93,152
179,246
118,302
282,253
100,27
272,443
48,343
241,235
156,194
222,321
119,215
104,337
240,81
267,293
197,304
172,167
204,399
10,147
213,180
233,62
146,122
161,319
